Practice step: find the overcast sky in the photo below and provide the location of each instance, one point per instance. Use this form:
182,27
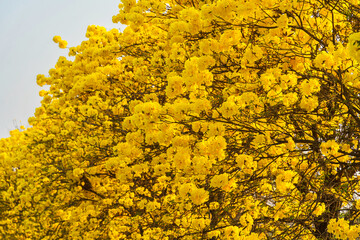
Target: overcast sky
26,47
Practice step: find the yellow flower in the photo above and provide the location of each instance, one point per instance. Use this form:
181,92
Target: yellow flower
219,181
185,189
282,21
330,147
62,43
214,205
324,60
56,39
175,86
246,163
353,46
346,148
200,223
309,104
290,145
308,87
259,140
290,99
199,195
152,206
78,171
319,209
182,158
229,109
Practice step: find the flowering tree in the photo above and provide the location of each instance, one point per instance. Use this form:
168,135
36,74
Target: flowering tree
204,119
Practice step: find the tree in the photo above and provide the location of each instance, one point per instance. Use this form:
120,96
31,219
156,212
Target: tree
204,119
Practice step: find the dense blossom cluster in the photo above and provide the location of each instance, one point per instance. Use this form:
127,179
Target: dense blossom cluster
203,119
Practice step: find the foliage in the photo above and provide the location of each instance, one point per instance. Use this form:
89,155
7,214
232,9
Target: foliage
203,119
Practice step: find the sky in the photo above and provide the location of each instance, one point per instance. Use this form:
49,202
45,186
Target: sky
26,47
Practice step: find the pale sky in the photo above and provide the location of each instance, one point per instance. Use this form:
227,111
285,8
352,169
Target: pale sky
26,47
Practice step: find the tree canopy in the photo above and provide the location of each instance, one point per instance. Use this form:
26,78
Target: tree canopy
203,119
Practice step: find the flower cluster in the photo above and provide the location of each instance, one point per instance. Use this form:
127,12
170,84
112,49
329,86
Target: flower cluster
226,119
